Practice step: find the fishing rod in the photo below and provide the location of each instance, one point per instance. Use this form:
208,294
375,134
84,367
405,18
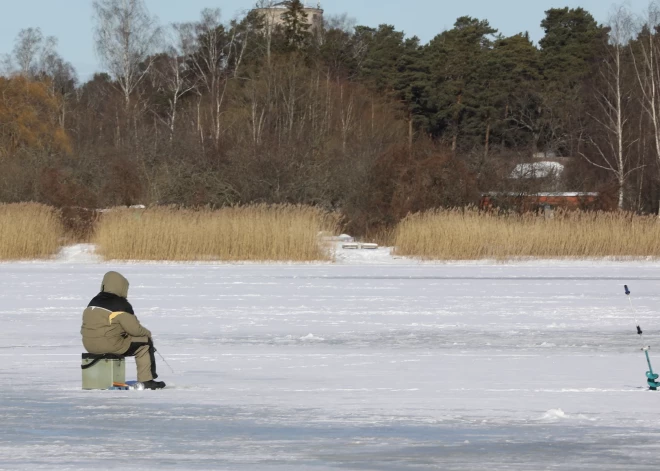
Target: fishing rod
651,377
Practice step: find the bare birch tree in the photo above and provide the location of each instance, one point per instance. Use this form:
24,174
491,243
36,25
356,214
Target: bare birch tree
646,60
126,36
215,48
346,115
63,81
613,98
26,49
268,25
174,77
33,52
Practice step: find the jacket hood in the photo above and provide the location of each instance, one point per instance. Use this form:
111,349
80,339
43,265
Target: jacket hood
115,283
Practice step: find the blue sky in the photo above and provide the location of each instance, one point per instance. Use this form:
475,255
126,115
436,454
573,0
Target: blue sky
71,20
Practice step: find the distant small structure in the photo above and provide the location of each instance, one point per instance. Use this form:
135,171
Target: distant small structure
543,169
359,246
548,154
274,11
524,202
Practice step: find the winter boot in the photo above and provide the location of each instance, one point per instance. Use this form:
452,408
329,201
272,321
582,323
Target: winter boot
151,384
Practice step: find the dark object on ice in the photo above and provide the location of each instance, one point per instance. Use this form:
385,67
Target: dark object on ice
151,384
651,377
110,326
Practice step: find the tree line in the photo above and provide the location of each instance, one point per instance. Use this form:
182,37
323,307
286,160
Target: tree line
366,121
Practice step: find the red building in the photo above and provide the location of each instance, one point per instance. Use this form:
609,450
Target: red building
524,202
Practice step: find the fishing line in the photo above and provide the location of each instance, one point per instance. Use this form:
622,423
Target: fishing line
163,358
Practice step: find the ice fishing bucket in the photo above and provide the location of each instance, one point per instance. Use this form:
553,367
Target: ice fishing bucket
100,371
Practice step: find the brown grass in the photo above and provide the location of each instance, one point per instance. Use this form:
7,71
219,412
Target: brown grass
249,233
29,231
79,224
471,235
384,236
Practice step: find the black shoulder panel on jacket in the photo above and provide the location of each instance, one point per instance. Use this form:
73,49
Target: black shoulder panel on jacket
111,302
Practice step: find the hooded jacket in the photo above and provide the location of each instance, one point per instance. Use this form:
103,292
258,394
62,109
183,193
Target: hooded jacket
109,323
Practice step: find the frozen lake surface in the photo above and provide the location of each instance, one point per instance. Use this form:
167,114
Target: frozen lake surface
393,365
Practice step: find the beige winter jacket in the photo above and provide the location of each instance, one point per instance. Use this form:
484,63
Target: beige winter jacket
109,323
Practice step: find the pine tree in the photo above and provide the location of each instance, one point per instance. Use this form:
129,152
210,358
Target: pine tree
394,66
515,65
458,58
570,49
411,86
572,42
383,47
296,26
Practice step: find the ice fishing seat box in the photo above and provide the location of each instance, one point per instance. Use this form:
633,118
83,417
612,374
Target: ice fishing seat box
99,371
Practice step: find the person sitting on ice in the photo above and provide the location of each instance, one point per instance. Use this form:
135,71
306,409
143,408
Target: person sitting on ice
110,326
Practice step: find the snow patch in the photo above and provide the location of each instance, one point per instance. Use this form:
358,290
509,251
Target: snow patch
79,253
554,414
555,325
558,414
311,338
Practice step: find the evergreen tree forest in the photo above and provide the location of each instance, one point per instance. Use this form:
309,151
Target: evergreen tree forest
369,122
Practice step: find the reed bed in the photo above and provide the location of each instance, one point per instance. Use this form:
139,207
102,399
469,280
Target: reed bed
247,233
29,231
383,236
468,234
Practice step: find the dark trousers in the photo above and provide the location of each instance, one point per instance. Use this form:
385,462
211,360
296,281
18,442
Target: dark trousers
142,348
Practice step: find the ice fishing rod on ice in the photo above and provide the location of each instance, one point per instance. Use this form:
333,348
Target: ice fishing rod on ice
651,377
639,329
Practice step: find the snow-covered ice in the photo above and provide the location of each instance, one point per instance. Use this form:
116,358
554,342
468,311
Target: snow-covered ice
366,364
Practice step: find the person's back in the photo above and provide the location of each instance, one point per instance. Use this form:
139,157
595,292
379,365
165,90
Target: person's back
109,325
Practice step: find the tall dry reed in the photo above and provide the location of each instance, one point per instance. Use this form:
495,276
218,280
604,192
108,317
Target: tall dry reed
470,235
29,231
248,233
